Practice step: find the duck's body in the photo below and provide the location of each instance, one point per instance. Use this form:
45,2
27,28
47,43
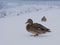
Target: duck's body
36,28
44,19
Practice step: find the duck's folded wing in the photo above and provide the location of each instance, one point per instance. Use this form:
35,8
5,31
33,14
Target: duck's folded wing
35,30
36,25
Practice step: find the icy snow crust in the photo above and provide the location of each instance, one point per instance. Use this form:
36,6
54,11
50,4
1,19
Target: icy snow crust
12,25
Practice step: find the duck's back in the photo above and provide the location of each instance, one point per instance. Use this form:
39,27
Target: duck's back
37,25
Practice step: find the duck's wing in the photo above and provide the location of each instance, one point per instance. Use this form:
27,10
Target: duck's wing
34,29
36,25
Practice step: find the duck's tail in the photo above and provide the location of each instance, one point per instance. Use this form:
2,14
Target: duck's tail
48,30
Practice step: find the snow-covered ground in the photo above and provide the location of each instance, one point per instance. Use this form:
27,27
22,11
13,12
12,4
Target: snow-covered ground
12,25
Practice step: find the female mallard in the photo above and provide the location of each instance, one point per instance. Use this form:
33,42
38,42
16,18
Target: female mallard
36,28
44,19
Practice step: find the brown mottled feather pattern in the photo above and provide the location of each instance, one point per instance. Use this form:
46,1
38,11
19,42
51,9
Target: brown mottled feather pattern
36,28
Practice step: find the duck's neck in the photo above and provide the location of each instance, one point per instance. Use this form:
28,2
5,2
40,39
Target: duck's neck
29,26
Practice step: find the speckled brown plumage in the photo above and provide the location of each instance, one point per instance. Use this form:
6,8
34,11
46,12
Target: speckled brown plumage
36,28
44,19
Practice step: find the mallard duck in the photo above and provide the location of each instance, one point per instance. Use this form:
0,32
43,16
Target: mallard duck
44,19
36,28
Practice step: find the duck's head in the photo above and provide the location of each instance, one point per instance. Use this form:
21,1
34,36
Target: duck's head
29,21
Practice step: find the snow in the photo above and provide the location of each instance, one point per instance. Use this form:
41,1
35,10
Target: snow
12,26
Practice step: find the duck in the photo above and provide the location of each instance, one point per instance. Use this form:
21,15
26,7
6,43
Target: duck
44,19
36,28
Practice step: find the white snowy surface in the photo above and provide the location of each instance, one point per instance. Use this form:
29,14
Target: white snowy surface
13,31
